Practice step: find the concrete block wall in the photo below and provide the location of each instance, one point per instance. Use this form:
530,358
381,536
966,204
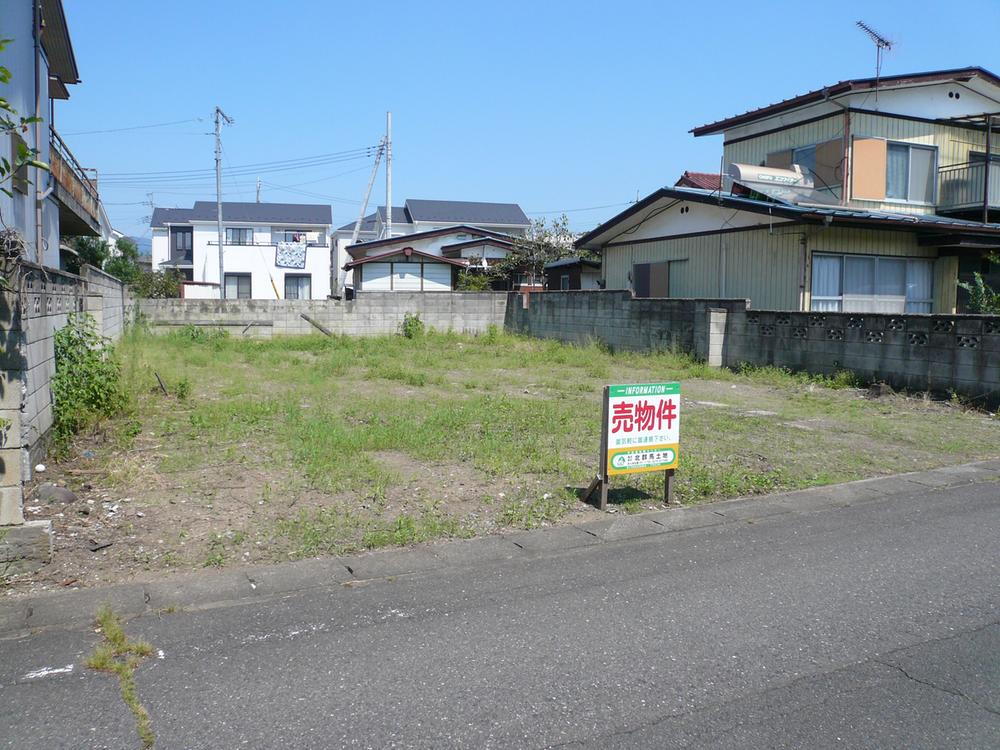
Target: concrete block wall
29,320
617,319
110,303
937,353
370,314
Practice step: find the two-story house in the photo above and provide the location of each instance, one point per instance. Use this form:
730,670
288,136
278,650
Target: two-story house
868,195
43,205
269,250
417,216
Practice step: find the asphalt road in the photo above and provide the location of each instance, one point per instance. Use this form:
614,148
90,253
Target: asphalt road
871,626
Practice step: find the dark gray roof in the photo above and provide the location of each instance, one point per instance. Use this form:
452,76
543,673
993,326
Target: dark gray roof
572,262
368,223
466,212
172,215
795,212
280,213
399,214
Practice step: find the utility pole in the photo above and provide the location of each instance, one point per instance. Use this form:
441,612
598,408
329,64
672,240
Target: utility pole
388,174
220,117
258,189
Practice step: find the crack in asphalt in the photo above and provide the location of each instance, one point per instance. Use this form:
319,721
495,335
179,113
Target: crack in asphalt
941,688
673,716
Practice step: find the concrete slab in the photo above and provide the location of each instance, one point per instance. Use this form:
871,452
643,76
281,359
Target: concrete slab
937,478
621,527
206,589
890,485
472,551
13,615
550,539
392,562
63,607
295,576
680,519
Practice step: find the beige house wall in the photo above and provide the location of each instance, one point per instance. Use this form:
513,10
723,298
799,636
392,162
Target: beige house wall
953,144
772,268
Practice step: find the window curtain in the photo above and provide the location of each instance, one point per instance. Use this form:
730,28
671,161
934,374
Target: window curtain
921,174
897,171
825,283
919,286
890,285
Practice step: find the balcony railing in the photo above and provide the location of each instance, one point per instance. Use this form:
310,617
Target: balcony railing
72,179
961,186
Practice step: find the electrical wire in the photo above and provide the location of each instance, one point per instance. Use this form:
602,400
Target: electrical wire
574,210
135,127
348,153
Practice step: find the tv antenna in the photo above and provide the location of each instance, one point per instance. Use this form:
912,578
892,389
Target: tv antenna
881,44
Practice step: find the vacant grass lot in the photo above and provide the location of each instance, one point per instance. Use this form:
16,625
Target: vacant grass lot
298,446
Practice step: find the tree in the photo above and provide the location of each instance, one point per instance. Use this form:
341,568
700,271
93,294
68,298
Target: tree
982,298
157,284
543,244
92,251
124,265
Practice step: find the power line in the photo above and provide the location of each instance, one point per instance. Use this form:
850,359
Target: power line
135,127
575,210
319,157
232,172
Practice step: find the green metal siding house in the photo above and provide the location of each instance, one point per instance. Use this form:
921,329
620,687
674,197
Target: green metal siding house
864,196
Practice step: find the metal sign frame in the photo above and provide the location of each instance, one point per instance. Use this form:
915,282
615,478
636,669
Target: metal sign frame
602,481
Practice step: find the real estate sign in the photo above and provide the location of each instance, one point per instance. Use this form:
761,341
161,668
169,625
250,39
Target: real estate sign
642,427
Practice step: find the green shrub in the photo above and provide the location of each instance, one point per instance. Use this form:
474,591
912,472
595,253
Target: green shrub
199,334
183,389
412,326
87,385
472,281
983,299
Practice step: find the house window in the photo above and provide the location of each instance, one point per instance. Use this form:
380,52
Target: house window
910,172
805,158
292,235
238,286
564,281
869,283
298,286
181,241
239,236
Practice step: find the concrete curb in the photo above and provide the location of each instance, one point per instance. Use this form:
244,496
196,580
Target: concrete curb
243,585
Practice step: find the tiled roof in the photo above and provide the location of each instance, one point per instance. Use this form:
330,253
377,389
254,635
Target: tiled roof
703,180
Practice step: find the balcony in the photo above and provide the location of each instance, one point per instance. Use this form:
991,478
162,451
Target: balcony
960,189
79,202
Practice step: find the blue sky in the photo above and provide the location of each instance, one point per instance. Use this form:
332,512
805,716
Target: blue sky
556,106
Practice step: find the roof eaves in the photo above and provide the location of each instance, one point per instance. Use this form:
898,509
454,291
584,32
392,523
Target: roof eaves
811,97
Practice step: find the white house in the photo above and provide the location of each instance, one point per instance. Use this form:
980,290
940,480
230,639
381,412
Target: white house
426,261
419,216
270,250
